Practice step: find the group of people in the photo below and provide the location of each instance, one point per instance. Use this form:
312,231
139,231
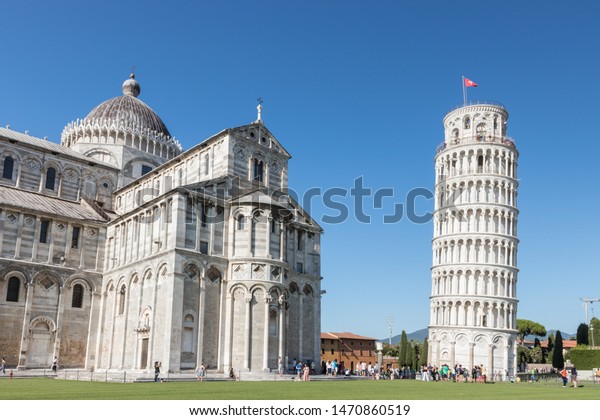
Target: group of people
330,367
303,370
458,373
569,374
368,370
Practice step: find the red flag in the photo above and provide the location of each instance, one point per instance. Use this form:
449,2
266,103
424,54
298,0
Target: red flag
470,83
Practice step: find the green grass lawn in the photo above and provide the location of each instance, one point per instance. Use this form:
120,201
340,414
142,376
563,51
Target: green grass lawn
57,389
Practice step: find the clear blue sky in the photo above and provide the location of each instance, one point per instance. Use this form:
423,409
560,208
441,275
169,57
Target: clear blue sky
352,89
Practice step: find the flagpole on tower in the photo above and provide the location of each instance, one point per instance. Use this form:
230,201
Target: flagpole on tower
464,91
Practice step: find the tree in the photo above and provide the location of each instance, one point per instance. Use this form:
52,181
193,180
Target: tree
410,355
417,356
424,354
551,342
557,358
523,356
403,349
391,351
527,327
594,332
550,349
582,334
536,355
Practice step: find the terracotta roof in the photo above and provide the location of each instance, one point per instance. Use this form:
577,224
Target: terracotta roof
40,204
567,344
345,336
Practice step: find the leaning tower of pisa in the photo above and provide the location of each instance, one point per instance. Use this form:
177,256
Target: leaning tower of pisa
473,299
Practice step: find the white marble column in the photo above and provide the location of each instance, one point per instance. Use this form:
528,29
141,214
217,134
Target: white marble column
247,336
266,336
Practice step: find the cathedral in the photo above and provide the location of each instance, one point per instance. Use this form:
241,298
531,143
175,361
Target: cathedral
118,248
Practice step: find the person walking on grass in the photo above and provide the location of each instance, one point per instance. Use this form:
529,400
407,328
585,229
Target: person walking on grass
574,376
563,375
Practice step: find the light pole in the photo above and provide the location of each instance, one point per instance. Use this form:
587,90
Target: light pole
390,322
592,333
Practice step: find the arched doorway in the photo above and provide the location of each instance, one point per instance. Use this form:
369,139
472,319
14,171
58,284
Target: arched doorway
41,343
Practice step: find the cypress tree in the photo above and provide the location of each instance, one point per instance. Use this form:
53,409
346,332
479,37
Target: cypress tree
549,350
594,339
424,356
582,334
410,355
416,356
557,358
403,350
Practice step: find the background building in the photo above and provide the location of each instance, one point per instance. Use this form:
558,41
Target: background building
348,348
118,248
473,302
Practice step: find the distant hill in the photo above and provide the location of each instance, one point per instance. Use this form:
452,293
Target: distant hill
418,335
565,335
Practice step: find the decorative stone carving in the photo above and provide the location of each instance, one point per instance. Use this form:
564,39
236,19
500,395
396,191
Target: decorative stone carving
32,165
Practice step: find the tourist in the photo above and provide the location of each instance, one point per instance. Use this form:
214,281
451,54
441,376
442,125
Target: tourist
3,366
563,374
280,366
55,365
306,373
156,371
574,376
298,369
201,372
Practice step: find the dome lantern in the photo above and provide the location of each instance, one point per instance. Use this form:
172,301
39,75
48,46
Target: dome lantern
131,87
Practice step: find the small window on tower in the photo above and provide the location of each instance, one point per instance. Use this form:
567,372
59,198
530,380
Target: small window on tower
241,223
77,300
258,170
467,122
7,171
12,291
480,163
75,237
480,131
121,299
50,178
146,169
204,247
44,231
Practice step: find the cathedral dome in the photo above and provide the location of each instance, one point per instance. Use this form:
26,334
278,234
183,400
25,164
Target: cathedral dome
124,121
129,111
